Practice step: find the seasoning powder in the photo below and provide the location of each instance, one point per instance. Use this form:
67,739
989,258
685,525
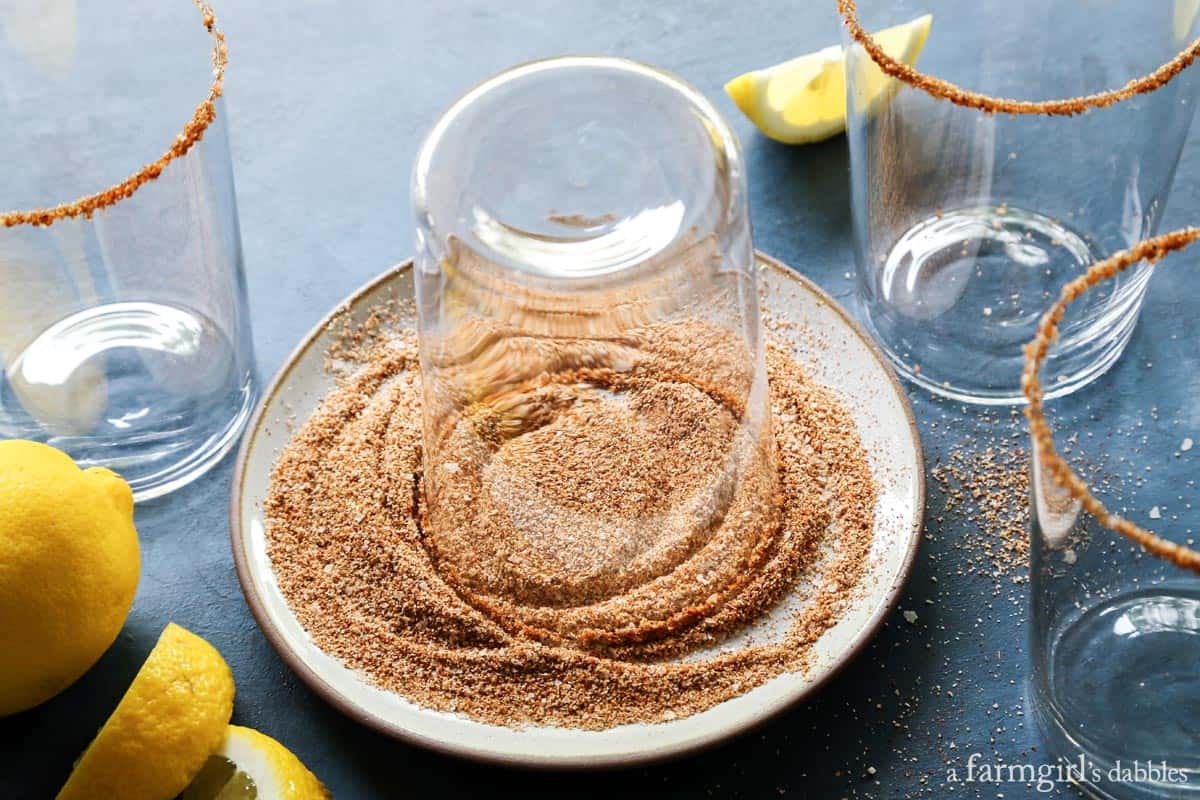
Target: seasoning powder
640,640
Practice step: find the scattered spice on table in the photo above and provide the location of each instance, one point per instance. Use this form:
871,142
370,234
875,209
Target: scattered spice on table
987,492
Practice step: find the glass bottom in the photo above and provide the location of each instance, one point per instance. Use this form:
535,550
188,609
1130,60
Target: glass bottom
959,296
155,392
1123,690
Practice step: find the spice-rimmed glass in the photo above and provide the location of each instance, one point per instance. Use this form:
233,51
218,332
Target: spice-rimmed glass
970,210
583,245
124,337
1115,635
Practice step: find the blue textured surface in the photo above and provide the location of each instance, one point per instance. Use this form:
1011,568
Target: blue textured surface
327,103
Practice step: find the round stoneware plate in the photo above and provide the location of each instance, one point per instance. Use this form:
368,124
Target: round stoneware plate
825,341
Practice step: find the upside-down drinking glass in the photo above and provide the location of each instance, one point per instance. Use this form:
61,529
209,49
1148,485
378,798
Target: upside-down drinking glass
1115,626
579,219
124,337
970,211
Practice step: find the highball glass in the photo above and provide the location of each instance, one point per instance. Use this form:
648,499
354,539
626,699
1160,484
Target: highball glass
124,334
1115,626
572,214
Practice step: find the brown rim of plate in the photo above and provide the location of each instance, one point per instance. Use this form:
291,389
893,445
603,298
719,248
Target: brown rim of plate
192,132
332,696
1066,107
1149,250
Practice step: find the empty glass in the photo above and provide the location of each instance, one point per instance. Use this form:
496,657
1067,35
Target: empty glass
585,285
124,337
1115,634
971,211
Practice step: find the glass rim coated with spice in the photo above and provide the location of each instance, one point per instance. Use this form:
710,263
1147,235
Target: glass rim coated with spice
595,398
970,210
124,331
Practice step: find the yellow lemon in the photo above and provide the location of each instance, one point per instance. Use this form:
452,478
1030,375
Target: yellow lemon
172,718
804,100
253,766
1185,18
69,567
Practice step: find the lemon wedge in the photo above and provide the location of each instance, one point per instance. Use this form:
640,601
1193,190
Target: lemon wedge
173,716
804,100
1185,18
253,766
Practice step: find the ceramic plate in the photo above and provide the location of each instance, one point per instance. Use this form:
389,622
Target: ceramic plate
826,341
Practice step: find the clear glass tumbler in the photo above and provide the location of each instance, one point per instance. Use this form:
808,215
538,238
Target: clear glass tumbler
586,293
1115,634
124,335
971,210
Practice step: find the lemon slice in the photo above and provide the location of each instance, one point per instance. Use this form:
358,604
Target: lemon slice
804,100
253,766
1185,17
174,715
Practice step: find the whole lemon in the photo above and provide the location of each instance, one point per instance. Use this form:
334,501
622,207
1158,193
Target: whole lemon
69,565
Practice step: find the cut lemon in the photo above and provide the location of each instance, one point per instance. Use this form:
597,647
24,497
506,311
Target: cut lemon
253,766
174,715
1185,18
804,100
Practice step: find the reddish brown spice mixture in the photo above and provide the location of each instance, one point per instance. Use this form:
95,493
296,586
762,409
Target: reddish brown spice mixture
468,620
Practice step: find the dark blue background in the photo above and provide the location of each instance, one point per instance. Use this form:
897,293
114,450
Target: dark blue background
327,104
